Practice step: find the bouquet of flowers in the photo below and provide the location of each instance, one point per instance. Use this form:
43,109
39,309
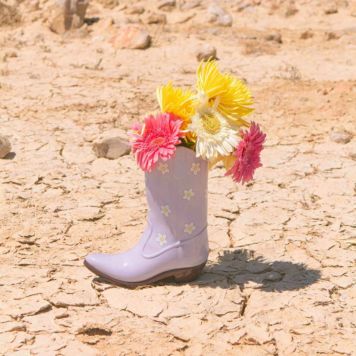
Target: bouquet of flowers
209,120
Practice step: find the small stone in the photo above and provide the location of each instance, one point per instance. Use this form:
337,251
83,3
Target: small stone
135,10
131,37
274,37
156,19
331,10
331,36
111,148
290,11
340,136
219,16
306,34
94,329
5,146
190,4
67,14
167,5
206,52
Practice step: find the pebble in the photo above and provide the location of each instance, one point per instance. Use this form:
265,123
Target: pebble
111,148
135,10
5,146
206,52
331,36
340,136
306,34
190,4
67,15
166,5
274,37
131,37
331,10
219,16
156,19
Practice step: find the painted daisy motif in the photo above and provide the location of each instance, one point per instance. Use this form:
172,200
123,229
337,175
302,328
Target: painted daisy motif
161,239
195,169
189,228
188,194
165,210
163,168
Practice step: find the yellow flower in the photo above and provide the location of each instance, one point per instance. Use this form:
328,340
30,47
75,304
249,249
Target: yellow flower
223,92
228,161
176,101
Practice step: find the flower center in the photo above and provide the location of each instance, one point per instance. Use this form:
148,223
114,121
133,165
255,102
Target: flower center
158,141
211,123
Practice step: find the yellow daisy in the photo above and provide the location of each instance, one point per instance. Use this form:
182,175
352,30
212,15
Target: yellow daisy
176,101
224,92
215,135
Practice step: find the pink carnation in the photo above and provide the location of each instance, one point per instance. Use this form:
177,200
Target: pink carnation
248,154
157,140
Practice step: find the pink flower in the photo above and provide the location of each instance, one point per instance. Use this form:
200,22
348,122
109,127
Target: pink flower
156,140
248,154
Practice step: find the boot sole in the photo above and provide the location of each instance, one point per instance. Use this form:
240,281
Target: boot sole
182,275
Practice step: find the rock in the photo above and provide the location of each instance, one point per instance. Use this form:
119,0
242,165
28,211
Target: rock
274,36
166,5
131,37
5,146
109,4
190,4
219,16
306,34
340,136
9,14
331,36
331,10
94,329
156,19
135,10
291,10
111,148
67,15
206,52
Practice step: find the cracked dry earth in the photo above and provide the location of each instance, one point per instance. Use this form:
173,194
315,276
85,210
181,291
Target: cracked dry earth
281,271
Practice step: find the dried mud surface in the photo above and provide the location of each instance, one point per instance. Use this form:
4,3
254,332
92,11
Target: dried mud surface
281,272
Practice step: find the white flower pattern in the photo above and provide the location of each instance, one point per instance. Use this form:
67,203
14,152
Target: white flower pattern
165,210
161,239
163,168
195,169
189,228
188,194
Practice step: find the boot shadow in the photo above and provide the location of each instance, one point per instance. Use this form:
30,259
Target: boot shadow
241,268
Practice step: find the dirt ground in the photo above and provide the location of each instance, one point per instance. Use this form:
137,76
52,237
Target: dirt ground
281,271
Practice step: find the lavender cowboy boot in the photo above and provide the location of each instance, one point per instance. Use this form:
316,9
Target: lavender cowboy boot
175,242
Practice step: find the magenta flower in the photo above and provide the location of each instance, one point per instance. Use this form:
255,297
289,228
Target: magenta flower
248,154
156,140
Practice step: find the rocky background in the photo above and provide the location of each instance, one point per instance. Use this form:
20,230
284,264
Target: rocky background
281,272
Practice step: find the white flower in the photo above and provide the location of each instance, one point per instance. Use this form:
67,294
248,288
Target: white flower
165,210
163,168
216,136
161,239
195,169
189,228
188,194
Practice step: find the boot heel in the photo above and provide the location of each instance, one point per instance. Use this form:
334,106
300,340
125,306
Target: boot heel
188,274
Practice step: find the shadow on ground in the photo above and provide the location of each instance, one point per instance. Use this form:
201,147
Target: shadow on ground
242,268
